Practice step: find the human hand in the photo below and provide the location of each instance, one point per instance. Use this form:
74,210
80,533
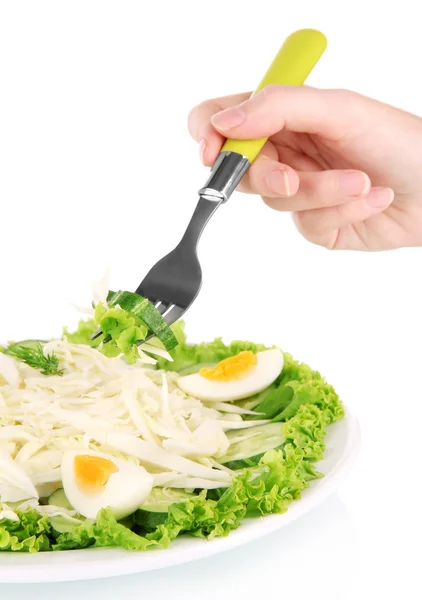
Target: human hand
349,168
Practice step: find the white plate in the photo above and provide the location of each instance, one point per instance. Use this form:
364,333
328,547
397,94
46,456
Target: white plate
343,441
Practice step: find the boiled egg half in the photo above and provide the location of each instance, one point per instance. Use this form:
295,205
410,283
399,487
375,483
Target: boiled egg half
92,481
236,377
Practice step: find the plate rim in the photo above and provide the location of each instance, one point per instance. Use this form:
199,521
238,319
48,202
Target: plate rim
196,548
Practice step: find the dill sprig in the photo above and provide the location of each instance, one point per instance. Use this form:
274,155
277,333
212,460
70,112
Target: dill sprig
34,356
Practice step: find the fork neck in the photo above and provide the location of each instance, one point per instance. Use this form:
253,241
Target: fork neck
204,210
225,175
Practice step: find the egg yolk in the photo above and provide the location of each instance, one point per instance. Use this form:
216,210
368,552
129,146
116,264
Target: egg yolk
232,368
93,472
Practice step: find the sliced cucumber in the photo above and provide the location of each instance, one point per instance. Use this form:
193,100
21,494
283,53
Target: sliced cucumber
195,368
160,499
33,344
142,308
64,523
155,510
247,452
58,498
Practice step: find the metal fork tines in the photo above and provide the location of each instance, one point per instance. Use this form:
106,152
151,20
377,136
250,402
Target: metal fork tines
174,281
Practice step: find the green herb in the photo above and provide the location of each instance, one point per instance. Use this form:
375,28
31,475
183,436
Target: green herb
33,355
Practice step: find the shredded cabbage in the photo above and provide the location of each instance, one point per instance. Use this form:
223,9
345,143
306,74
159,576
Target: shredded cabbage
106,405
137,412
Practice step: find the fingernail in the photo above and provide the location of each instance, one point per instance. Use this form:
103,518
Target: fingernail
278,180
380,197
229,118
354,183
202,145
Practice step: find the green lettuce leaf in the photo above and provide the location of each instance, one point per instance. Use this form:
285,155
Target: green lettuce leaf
278,484
32,533
82,335
296,386
106,531
276,399
306,431
309,387
124,329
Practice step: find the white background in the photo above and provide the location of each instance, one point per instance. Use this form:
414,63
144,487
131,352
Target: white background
97,167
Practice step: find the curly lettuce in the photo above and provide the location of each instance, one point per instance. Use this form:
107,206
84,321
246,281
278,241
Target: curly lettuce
82,335
122,329
309,387
270,487
32,532
186,355
300,398
278,479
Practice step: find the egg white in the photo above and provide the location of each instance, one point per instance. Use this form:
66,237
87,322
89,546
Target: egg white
268,367
124,492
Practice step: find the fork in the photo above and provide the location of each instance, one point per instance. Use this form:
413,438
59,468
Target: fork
174,282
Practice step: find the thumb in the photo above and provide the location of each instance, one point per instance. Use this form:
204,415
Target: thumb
330,113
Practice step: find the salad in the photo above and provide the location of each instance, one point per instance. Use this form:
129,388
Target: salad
108,443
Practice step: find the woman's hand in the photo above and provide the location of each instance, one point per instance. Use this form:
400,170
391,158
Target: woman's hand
349,168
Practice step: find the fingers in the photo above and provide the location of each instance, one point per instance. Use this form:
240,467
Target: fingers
321,226
284,188
330,113
318,190
323,203
201,129
268,178
204,111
